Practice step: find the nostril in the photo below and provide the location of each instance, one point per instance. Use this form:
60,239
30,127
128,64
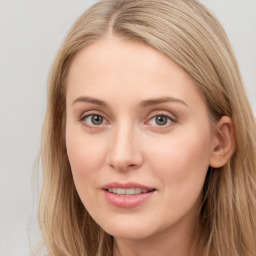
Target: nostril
124,166
132,165
124,158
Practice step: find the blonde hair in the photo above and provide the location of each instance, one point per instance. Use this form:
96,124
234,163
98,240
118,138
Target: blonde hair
190,35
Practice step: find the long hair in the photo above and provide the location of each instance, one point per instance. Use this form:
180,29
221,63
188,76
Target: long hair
186,32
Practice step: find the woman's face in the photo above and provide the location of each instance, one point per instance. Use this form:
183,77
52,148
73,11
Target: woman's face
138,139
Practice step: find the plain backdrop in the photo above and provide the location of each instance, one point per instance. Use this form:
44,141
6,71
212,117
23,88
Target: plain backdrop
30,34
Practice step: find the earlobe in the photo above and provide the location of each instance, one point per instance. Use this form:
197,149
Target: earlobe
223,142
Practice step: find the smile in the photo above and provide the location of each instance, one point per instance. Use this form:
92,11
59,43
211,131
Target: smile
128,191
127,195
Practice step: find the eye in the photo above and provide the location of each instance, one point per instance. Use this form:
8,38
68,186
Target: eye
160,120
94,120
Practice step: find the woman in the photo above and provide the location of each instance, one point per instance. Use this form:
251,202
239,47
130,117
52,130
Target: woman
149,141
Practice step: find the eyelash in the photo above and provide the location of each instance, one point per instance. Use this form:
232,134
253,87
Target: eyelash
170,120
84,117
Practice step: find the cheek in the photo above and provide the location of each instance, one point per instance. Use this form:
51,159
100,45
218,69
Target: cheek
182,161
181,166
85,157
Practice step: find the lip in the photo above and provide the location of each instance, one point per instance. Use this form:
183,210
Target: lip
127,201
126,185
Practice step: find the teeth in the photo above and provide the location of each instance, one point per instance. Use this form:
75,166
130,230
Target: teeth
127,191
120,191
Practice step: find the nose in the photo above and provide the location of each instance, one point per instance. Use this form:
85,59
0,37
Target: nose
125,151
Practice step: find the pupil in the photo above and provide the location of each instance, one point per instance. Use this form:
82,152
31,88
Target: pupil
97,120
161,120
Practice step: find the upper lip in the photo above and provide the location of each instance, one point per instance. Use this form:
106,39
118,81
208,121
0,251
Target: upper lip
126,185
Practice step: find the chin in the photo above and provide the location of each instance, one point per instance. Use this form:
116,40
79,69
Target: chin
131,230
129,234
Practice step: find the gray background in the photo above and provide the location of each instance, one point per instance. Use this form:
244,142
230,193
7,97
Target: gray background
30,34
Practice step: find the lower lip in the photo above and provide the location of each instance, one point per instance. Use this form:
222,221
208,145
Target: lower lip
128,201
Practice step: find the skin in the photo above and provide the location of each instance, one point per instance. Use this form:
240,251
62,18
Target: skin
130,145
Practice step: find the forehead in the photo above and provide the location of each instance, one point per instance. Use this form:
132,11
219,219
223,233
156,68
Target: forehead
117,54
121,67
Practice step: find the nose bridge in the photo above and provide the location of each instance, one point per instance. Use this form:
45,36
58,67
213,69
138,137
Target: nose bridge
125,152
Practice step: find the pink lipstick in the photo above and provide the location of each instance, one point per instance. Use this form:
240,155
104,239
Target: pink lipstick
127,195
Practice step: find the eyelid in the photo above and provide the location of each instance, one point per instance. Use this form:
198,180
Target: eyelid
155,113
162,113
91,113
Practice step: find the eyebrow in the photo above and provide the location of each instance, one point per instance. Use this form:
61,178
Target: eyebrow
145,103
152,102
90,100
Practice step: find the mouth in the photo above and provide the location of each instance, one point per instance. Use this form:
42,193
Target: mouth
128,191
127,195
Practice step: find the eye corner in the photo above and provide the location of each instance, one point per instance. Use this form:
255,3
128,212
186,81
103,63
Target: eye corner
164,123
162,119
93,120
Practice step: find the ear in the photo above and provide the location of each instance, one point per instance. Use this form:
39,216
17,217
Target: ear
223,142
